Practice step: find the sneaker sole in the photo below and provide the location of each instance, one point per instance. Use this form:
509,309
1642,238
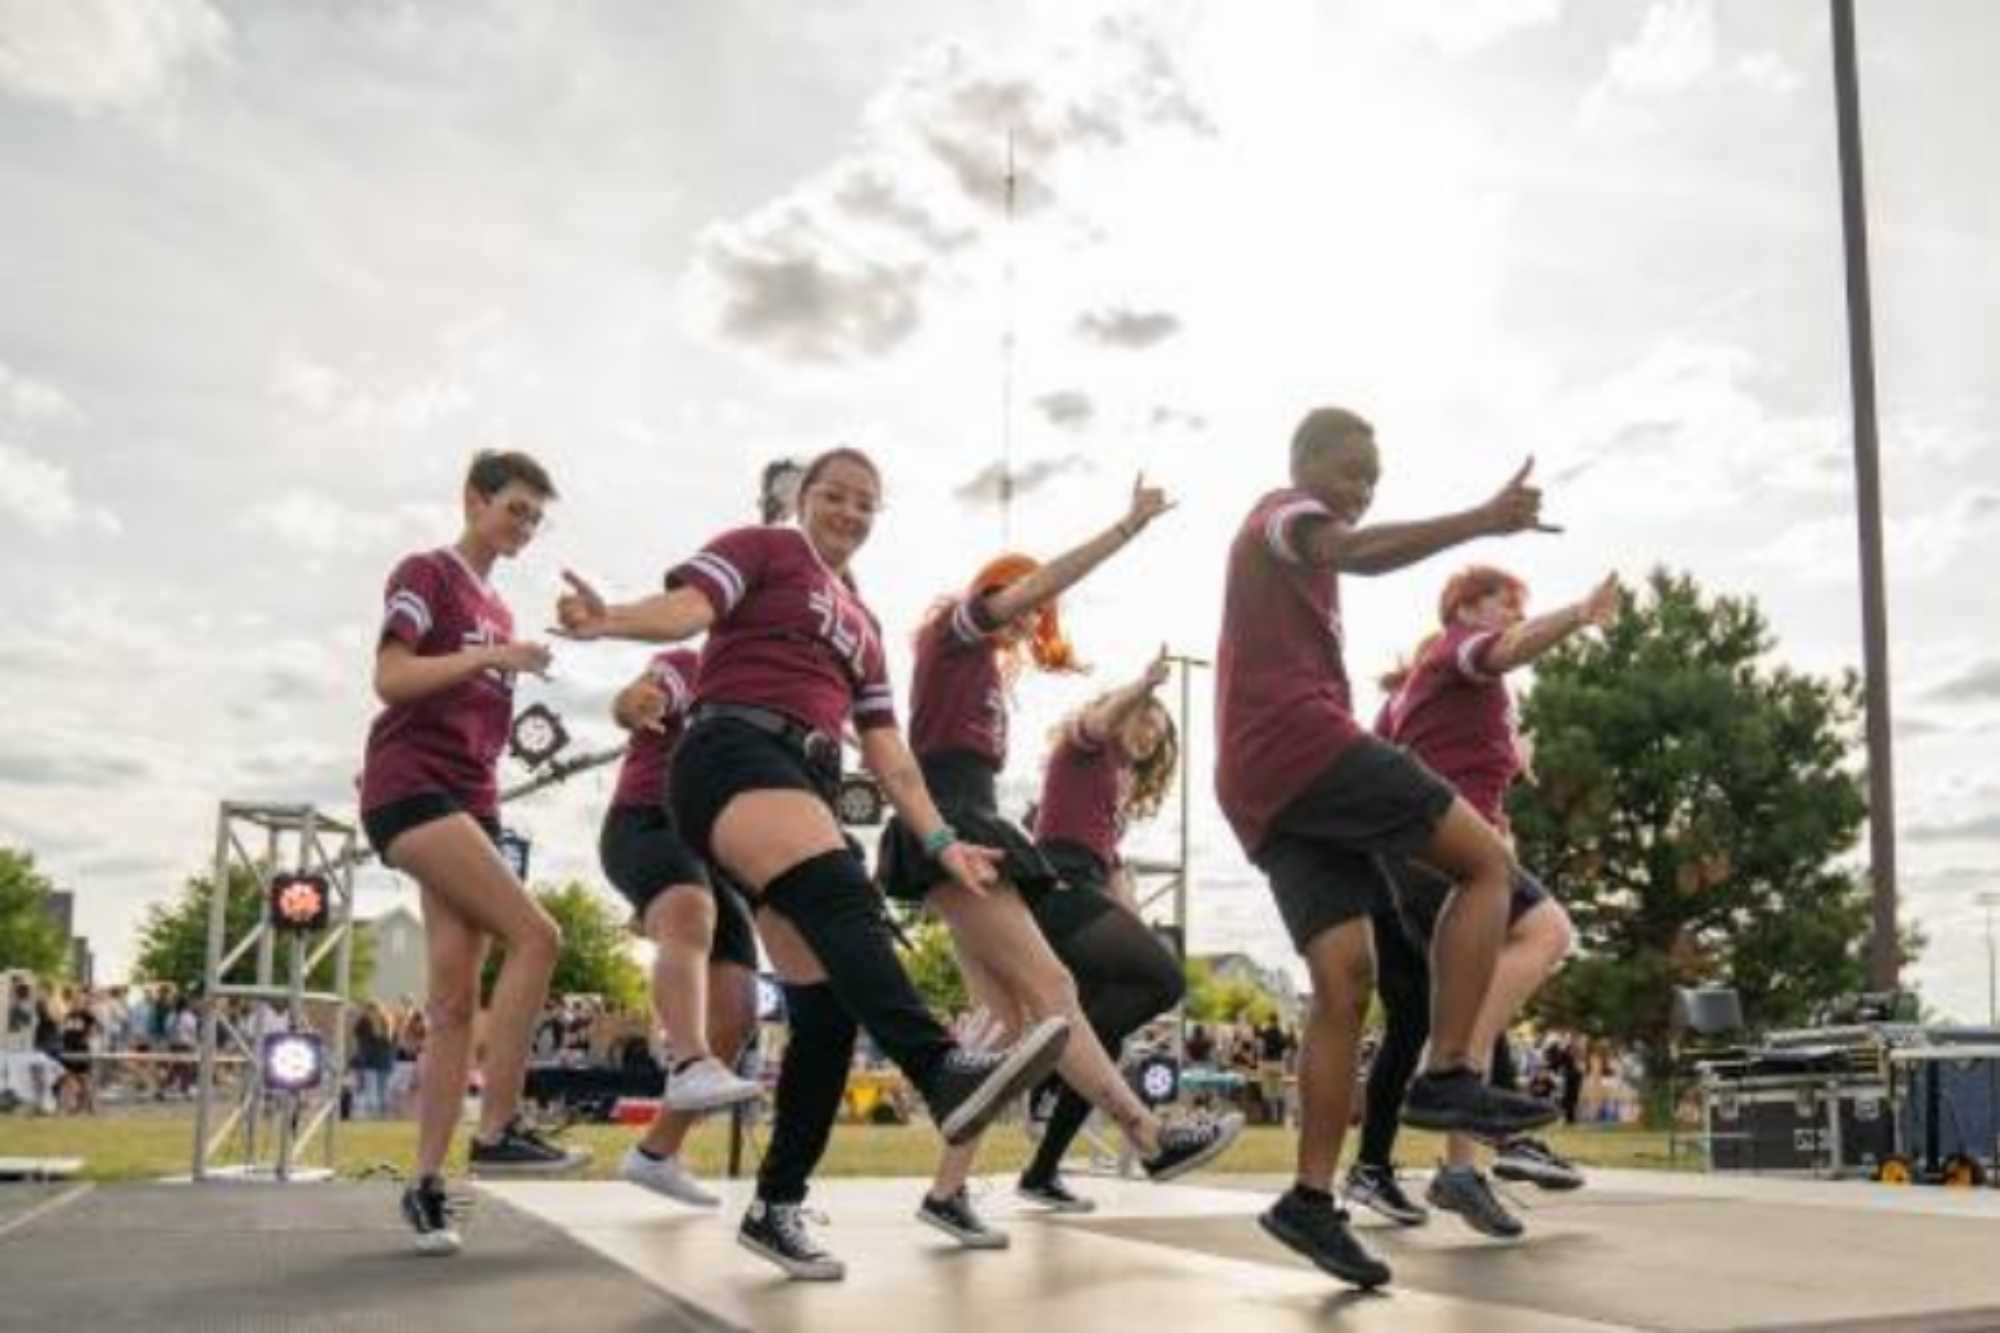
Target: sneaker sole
1362,1199
1471,1220
1560,1182
702,1199
715,1101
1026,1065
1458,1122
1071,1208
1214,1150
434,1246
1300,1246
528,1168
971,1240
792,1268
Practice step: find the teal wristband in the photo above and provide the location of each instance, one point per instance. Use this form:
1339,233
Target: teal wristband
939,838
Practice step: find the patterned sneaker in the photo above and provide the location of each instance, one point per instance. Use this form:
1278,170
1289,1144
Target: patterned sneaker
1463,1190
1317,1230
1053,1195
665,1176
1377,1189
523,1149
777,1232
972,1087
954,1217
1190,1145
430,1213
708,1085
1461,1100
1533,1161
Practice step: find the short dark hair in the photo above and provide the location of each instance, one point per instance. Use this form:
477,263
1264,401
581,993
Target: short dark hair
767,502
492,469
1325,428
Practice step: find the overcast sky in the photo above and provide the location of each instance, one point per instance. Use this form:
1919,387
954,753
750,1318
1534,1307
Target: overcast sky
274,272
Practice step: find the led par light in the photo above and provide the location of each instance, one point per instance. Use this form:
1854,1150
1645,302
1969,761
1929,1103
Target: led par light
538,736
291,1061
299,902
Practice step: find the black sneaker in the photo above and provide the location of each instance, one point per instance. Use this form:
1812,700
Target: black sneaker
1536,1163
1463,1190
954,1217
1318,1230
1191,1144
431,1215
525,1150
1459,1100
1053,1195
972,1087
1376,1189
777,1231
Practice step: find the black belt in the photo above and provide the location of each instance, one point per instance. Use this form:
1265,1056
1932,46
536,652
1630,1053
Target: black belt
818,748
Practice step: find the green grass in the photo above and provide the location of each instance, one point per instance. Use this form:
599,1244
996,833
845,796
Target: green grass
149,1144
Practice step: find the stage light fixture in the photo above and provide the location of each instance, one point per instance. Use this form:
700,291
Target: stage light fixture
538,736
291,1061
860,800
299,902
514,849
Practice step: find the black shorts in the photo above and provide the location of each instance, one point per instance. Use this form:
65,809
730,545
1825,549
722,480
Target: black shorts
1082,896
720,758
386,823
642,855
962,784
1321,857
1420,894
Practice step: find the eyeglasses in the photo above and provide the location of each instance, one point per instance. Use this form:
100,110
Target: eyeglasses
527,514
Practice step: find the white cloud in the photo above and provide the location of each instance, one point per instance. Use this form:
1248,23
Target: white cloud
91,55
320,525
31,400
37,494
1461,27
1824,550
1675,50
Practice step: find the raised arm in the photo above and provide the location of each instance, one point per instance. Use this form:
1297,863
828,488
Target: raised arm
1380,548
679,613
1103,718
1523,643
403,677
1062,573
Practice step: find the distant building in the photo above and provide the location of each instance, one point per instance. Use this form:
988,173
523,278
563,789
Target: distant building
61,907
399,955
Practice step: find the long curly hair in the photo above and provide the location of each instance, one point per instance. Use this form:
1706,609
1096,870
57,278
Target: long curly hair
1152,777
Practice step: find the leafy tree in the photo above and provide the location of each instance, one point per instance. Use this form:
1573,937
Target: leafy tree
933,965
1218,999
595,957
173,939
1694,804
29,936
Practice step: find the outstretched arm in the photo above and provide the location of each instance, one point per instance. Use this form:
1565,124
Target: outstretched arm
1383,547
679,613
1524,642
1063,572
1103,718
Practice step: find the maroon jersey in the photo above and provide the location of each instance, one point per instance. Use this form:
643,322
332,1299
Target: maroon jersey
1283,709
1083,795
1458,717
449,741
789,635
642,778
956,699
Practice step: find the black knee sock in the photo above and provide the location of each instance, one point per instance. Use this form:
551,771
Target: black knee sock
829,899
1502,1072
811,1081
1403,978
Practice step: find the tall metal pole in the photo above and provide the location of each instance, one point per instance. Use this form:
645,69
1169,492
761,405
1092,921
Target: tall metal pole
1987,900
1187,665
1883,960
1007,364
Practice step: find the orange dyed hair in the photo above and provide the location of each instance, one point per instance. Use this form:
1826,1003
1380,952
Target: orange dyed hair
1472,584
1046,644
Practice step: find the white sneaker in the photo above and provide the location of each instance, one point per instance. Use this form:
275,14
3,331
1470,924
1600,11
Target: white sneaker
664,1175
707,1085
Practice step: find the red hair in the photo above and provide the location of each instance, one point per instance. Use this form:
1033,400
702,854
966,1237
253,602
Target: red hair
1474,583
1045,643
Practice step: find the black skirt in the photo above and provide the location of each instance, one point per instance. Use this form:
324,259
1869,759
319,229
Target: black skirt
962,785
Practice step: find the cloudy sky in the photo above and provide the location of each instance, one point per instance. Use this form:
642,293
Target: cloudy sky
273,272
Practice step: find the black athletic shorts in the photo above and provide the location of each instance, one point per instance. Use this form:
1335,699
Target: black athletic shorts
1321,856
1082,897
962,785
1420,894
386,823
721,757
642,855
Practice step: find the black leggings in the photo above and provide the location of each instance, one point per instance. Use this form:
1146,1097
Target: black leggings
811,1080
1403,977
1125,977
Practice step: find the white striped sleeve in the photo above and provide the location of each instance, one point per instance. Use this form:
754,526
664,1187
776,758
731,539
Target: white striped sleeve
1279,522
965,621
875,705
409,606
725,576
1468,655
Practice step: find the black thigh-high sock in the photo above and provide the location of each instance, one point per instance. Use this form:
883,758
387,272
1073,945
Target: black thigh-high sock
1503,1073
829,899
1124,977
811,1080
1403,978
